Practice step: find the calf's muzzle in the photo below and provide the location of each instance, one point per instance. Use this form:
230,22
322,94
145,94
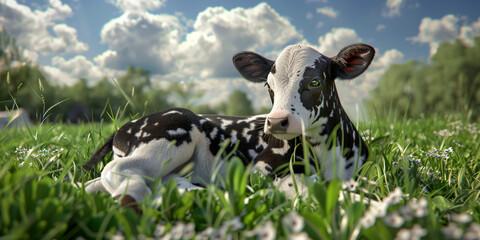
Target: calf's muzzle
283,124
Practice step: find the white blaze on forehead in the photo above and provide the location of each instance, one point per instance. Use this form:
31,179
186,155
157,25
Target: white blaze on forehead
289,70
293,61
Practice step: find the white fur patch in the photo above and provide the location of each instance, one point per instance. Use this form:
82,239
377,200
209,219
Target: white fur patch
179,131
213,134
283,150
226,123
172,112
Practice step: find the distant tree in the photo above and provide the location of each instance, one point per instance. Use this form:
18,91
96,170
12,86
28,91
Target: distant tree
21,83
239,104
449,84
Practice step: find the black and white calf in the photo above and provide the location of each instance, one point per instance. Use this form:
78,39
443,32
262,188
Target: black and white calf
305,103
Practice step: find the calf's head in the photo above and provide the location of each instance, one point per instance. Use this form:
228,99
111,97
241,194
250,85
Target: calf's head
301,84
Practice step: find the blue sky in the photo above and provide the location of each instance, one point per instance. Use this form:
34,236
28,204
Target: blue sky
193,41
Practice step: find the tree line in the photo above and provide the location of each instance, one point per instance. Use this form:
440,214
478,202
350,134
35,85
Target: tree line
447,84
22,85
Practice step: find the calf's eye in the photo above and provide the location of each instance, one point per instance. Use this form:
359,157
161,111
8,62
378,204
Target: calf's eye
315,83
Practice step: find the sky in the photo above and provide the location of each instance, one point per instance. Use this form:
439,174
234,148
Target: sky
193,41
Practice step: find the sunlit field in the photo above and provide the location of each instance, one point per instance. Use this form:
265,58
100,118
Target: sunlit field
422,181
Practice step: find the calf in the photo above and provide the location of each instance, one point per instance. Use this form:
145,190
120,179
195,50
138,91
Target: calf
305,103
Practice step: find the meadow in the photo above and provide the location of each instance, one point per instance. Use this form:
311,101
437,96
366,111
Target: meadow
422,181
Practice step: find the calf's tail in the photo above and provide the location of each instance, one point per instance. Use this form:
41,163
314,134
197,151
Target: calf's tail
99,154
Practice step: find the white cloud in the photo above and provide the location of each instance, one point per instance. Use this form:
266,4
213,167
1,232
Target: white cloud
309,15
446,29
388,58
316,1
68,71
218,34
327,11
336,39
33,29
435,31
468,32
380,27
137,5
142,39
393,8
158,43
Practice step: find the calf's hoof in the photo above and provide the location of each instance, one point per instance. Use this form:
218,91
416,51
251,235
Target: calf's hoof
128,201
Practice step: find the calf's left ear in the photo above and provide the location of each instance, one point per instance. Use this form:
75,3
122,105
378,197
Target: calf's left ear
352,60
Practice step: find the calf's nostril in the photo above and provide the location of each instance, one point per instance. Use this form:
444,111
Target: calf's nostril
269,124
284,123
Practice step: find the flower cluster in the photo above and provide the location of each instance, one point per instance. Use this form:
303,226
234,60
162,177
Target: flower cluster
461,227
293,223
416,232
427,176
456,128
45,155
413,209
438,154
367,135
379,209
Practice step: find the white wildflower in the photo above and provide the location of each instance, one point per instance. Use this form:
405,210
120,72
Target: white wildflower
419,207
351,185
299,236
417,232
403,234
461,218
235,224
189,231
473,231
444,133
294,221
177,230
406,213
118,236
159,230
380,209
264,232
205,234
394,220
452,231
394,197
368,219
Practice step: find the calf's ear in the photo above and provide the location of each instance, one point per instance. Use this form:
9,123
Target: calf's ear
352,60
252,66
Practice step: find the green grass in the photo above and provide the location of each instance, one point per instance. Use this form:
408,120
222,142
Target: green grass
423,174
